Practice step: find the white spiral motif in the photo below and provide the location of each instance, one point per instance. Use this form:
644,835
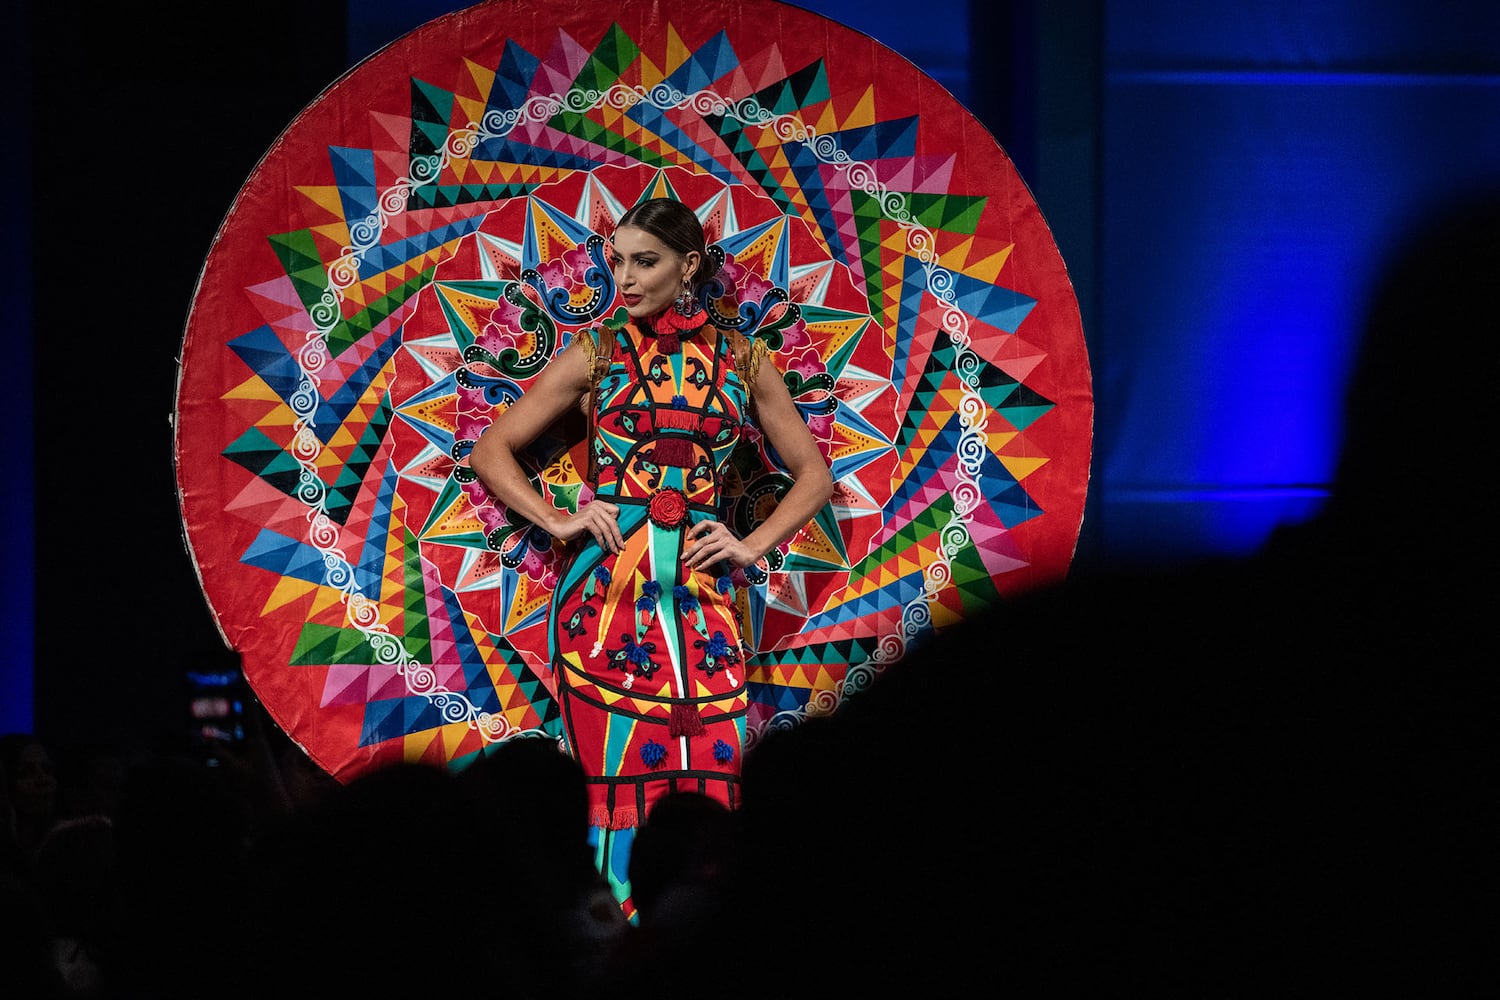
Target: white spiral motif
424,170
493,727
827,149
421,678
822,702
337,573
542,108
497,124
936,576
325,312
664,95
306,446
955,535
861,175
364,613
455,708
706,103
967,497
321,530
312,358
393,202
461,142
859,678
888,649
364,234
310,488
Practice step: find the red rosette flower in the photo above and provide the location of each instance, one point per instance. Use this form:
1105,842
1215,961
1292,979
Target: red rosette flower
667,508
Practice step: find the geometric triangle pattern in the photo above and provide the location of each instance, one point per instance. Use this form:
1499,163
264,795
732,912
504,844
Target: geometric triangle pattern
432,229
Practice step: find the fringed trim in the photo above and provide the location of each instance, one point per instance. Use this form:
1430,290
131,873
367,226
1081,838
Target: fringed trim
759,352
675,451
677,417
624,818
599,816
685,721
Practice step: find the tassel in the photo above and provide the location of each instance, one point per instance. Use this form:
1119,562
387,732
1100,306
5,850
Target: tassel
599,816
675,451
685,721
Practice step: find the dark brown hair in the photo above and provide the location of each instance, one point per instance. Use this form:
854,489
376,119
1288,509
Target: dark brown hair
672,222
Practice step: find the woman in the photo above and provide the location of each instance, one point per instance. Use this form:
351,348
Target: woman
644,635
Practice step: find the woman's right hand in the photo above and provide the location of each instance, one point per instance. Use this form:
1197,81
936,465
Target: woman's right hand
599,518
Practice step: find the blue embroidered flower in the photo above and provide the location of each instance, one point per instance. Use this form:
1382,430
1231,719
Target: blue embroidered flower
653,753
717,646
601,573
686,602
723,752
644,603
723,585
679,402
680,593
637,654
718,654
651,589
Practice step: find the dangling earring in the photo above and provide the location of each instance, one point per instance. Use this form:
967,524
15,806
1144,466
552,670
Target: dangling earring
685,304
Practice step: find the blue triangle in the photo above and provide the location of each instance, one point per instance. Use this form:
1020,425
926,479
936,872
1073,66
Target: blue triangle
354,173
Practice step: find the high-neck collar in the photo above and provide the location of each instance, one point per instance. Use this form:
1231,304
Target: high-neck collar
669,325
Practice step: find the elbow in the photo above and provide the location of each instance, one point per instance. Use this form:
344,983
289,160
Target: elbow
484,459
824,480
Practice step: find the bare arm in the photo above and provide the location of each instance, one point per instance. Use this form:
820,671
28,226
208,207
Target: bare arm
812,482
560,386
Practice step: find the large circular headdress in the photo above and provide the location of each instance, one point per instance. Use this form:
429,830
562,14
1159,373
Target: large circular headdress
429,232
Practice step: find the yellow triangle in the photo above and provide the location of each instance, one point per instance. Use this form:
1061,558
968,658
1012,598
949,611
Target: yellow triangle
253,388
995,440
988,269
459,518
338,232
439,412
813,542
329,597
414,746
1020,468
862,115
827,120
677,51
342,437
650,73
287,590
473,108
454,735
326,197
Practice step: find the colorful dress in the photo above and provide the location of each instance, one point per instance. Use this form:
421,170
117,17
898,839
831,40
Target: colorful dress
647,654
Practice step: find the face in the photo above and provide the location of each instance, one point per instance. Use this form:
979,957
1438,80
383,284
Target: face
648,272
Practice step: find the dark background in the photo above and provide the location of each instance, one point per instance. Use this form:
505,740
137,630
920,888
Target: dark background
146,119
1224,184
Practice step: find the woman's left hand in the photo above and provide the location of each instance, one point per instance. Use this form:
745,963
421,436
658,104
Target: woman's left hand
711,541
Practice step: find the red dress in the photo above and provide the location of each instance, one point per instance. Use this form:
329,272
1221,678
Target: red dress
647,654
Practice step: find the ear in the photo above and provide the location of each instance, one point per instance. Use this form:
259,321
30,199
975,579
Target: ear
690,261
